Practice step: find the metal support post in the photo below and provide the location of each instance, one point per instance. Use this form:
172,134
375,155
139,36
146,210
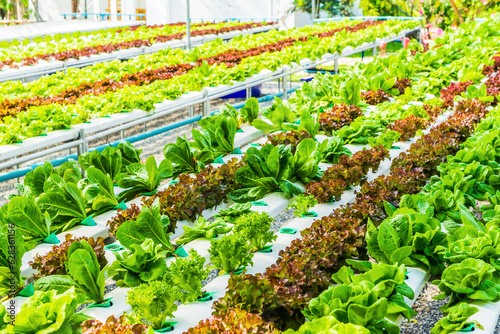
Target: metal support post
336,65
313,9
82,148
374,51
188,26
191,113
403,40
206,105
249,92
285,87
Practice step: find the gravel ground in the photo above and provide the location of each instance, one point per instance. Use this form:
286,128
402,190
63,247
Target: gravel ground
428,312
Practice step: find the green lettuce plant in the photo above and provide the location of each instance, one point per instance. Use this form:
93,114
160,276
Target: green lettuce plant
64,201
142,263
203,229
234,211
218,134
250,111
153,302
456,318
150,224
143,178
308,123
4,318
469,280
333,150
11,246
187,273
34,181
279,114
302,204
185,157
84,274
109,161
386,138
129,153
359,131
408,237
255,227
467,242
49,312
328,325
366,299
230,253
267,170
305,161
100,192
29,220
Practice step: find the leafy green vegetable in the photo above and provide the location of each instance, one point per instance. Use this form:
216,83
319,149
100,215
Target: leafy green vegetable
442,205
203,228
142,263
302,204
64,201
305,162
150,224
350,93
49,312
186,159
130,154
380,82
333,150
267,170
234,211
328,325
143,178
230,253
457,317
109,161
408,237
308,124
360,130
4,318
279,114
152,302
474,180
471,279
386,138
366,299
255,227
187,273
35,180
219,135
100,192
468,242
250,111
29,220
12,247
84,274
473,92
